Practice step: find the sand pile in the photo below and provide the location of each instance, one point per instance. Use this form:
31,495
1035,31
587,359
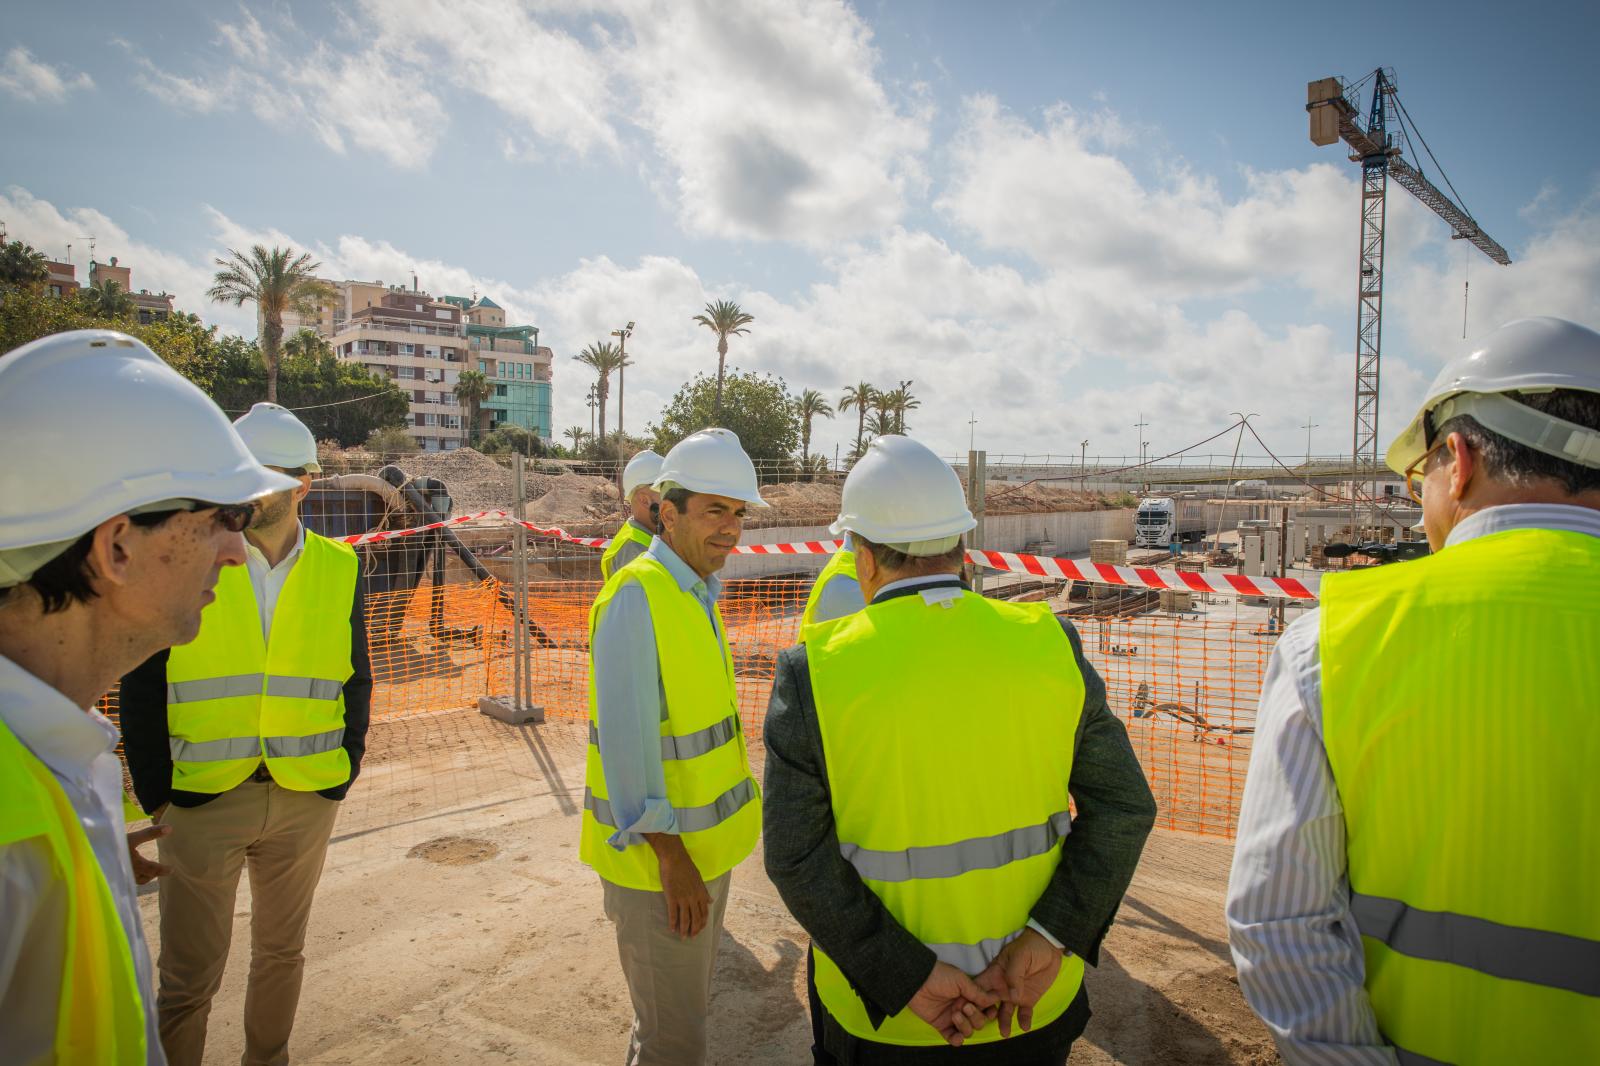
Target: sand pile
1038,498
572,499
799,503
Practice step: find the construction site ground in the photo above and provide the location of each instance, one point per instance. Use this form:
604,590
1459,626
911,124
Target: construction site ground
455,924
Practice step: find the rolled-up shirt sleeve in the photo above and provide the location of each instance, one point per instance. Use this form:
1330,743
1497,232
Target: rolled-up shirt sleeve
1299,955
629,702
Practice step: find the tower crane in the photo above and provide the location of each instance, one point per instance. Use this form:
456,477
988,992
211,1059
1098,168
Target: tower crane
1379,146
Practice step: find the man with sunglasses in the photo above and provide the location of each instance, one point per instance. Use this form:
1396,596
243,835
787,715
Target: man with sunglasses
1415,874
122,499
244,741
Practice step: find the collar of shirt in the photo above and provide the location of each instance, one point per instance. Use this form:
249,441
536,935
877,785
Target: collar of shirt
258,559
907,585
66,738
635,524
682,572
1560,516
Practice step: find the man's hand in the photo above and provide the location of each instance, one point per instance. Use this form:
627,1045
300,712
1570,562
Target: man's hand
1020,976
950,1002
688,902
146,870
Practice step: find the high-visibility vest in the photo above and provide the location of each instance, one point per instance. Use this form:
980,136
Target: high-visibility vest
234,698
841,564
1461,717
927,703
628,534
99,1013
709,784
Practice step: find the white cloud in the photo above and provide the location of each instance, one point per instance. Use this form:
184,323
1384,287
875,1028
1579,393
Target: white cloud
31,79
771,119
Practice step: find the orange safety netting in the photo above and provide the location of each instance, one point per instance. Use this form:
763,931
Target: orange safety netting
1186,690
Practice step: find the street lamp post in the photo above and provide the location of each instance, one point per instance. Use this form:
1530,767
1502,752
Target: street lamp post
622,336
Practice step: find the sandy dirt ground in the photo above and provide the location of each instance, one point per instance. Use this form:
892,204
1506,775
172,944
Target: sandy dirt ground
455,924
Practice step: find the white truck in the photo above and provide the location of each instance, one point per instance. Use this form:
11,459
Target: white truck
1164,519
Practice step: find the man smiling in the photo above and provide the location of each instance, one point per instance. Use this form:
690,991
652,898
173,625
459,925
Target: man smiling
670,806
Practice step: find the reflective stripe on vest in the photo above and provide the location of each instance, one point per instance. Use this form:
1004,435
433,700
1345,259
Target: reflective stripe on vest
1460,722
704,761
892,683
1536,956
628,534
841,563
236,697
692,746
99,1013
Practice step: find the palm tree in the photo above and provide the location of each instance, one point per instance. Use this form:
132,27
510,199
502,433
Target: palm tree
724,318
602,357
22,265
307,343
276,281
881,424
861,398
577,435
897,402
107,300
472,388
810,405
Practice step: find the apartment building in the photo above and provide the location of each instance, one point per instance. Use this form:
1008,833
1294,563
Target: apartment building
148,306
63,278
415,340
518,368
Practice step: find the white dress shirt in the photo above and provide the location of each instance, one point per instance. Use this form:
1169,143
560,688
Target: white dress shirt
79,748
1299,955
268,580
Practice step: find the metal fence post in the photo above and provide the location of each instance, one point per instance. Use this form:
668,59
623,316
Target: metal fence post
977,489
517,708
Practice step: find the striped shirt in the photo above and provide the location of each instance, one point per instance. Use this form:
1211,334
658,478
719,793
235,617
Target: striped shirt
1300,959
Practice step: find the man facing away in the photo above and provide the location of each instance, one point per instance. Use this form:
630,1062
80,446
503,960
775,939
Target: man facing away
640,498
1419,841
670,806
837,591
112,536
923,757
244,740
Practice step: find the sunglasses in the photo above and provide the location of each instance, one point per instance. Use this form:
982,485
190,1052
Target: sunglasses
233,517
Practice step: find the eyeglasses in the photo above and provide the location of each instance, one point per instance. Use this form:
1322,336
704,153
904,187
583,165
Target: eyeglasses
1418,470
233,517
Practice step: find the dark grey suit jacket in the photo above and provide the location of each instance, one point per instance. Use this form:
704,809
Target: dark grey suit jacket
884,962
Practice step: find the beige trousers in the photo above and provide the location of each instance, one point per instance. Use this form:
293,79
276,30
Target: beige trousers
669,978
282,837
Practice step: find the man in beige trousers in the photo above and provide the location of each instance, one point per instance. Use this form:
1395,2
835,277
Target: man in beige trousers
244,741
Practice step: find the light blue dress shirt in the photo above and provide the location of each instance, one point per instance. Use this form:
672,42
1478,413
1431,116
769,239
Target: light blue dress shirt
632,703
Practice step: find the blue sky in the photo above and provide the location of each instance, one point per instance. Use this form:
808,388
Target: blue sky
1055,214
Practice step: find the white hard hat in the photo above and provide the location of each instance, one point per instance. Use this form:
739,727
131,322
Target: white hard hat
711,461
902,495
277,438
93,424
642,470
1527,355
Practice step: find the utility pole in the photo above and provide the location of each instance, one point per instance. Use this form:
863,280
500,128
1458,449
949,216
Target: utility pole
622,336
1139,427
1308,427
972,431
1083,457
591,412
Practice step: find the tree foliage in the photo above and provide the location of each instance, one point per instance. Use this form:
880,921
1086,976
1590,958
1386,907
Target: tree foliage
726,319
471,389
509,439
276,281
604,358
755,406
22,265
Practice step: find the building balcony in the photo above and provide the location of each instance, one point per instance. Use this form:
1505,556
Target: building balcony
404,328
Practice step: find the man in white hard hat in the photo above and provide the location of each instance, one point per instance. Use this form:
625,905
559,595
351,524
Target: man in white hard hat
244,740
670,806
924,757
1415,873
113,531
837,590
641,499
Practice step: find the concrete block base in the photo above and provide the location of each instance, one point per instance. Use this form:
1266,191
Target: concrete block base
504,709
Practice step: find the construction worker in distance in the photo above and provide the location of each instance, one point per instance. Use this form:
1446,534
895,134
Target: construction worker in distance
640,498
923,757
244,740
836,592
122,499
1414,879
670,806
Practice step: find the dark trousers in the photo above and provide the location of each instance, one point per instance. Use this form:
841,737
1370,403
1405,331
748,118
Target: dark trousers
1047,1046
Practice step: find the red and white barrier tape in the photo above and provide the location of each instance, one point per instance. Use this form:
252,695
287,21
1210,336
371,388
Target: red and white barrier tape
1011,562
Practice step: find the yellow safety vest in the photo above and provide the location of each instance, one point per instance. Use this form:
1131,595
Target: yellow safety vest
234,698
1461,716
842,564
926,703
99,1012
714,796
628,534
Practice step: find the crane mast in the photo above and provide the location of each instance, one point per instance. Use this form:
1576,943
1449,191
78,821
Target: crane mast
1336,115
